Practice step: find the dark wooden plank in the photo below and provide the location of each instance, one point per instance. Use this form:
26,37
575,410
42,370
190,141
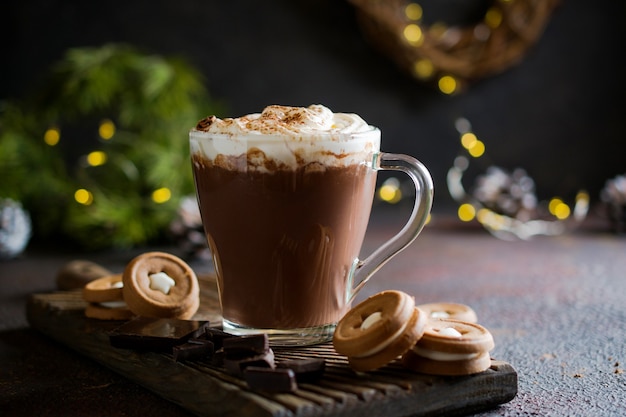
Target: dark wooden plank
206,390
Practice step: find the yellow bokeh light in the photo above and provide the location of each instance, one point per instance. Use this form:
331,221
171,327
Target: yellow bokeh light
553,203
390,193
466,212
106,129
83,196
424,68
413,11
447,84
559,209
493,17
477,149
562,211
468,139
413,34
52,136
161,195
96,158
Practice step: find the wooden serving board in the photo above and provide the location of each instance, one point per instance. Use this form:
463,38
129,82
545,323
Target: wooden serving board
207,390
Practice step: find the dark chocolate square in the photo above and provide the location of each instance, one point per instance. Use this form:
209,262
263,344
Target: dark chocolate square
155,334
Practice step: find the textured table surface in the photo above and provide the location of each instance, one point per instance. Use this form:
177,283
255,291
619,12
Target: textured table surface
555,305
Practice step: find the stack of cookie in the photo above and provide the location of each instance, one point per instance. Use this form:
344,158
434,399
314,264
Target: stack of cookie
436,338
154,284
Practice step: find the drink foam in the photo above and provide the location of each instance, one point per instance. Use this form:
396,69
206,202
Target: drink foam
285,137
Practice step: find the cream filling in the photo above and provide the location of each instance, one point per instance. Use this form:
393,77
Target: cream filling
440,315
382,345
161,282
443,356
113,304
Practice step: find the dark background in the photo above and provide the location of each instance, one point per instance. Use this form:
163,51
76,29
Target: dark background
559,114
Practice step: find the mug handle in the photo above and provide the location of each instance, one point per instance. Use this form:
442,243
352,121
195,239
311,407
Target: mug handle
362,270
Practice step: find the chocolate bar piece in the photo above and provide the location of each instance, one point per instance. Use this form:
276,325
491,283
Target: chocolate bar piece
306,370
248,344
218,358
270,380
193,349
236,364
155,334
217,336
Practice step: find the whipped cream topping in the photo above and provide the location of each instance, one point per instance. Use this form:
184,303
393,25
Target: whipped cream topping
292,121
285,137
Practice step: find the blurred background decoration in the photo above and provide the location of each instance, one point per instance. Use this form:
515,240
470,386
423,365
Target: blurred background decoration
505,203
99,156
614,197
452,43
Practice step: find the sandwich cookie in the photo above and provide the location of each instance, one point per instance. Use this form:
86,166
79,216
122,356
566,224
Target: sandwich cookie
107,288
379,330
450,347
161,285
449,311
105,299
109,310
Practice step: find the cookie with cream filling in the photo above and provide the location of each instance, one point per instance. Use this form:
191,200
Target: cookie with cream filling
454,311
450,347
161,285
379,330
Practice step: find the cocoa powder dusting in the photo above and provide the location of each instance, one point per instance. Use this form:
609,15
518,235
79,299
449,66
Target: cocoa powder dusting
293,118
205,124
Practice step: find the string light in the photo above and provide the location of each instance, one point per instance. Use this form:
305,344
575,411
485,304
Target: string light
447,84
424,69
161,195
468,139
493,17
83,196
559,209
96,158
413,34
390,191
413,11
477,149
106,130
466,212
52,136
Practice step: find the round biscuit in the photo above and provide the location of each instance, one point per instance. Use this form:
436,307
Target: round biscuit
454,311
474,337
182,300
100,312
398,346
395,309
107,288
417,363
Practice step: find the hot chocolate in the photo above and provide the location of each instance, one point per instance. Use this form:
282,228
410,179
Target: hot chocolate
285,219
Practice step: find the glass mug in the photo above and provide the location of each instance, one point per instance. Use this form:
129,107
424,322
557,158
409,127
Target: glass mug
285,237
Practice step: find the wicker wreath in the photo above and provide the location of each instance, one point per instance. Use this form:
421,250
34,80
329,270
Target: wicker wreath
458,54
